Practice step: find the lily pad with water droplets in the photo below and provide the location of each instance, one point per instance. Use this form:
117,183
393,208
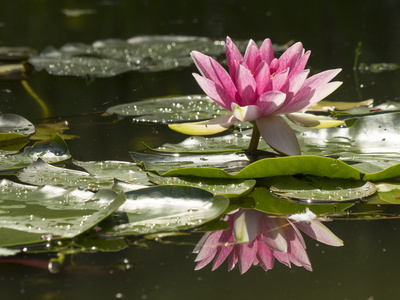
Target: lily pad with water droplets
319,190
14,124
31,214
101,174
51,151
111,57
268,203
229,188
165,209
166,162
170,109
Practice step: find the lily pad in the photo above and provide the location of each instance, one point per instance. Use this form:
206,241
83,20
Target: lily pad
163,162
317,190
229,188
141,53
165,209
51,151
14,126
31,214
170,109
47,130
268,203
270,167
101,174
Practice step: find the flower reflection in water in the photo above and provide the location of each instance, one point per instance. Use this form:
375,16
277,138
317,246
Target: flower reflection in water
256,237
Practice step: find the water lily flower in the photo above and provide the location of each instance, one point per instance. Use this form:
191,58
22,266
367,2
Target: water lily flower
260,88
258,238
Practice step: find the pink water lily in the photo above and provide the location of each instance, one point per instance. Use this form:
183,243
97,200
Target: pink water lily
260,88
258,238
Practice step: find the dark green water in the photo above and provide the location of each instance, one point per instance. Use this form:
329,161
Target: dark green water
365,268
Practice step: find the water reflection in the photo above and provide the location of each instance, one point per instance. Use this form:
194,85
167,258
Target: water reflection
258,238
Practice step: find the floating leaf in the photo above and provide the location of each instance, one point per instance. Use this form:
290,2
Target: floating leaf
230,188
51,151
45,131
326,105
314,190
101,174
389,191
170,109
14,126
163,162
110,169
266,202
270,167
114,56
166,208
30,214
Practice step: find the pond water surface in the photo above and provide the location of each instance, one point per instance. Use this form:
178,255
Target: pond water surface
365,268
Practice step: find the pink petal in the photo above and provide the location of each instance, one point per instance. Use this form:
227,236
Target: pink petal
298,254
233,57
224,79
279,79
273,66
266,51
283,258
307,97
215,91
290,57
233,258
203,63
278,134
273,235
247,253
252,56
246,86
264,256
300,65
262,77
270,101
320,78
203,263
291,87
209,247
221,255
318,231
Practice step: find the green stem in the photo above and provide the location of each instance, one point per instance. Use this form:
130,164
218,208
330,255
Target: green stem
255,138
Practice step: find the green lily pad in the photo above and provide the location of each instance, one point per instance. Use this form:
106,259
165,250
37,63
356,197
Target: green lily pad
268,203
389,191
316,190
170,109
120,170
12,126
229,188
31,214
270,167
51,151
165,209
141,53
101,174
163,162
